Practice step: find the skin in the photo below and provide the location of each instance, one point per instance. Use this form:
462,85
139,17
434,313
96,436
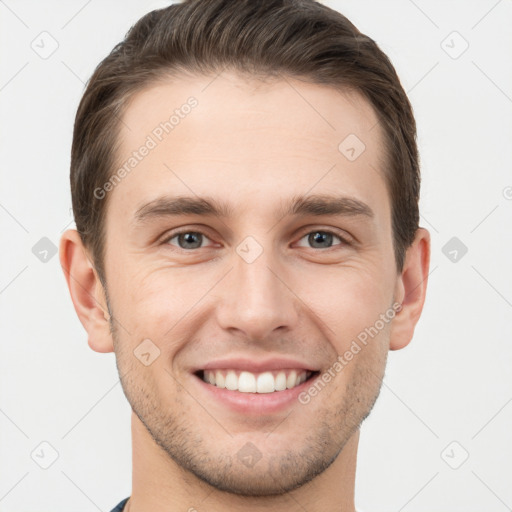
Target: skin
254,145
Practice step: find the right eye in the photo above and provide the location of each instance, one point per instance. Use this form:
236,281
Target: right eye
187,240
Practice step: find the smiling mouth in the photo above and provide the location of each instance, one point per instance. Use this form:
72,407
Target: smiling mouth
249,382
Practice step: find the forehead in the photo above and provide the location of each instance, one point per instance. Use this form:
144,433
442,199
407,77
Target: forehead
254,142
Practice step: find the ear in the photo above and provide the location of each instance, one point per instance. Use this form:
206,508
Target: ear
411,289
86,291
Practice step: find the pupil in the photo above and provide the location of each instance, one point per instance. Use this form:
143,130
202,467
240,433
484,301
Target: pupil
189,238
319,236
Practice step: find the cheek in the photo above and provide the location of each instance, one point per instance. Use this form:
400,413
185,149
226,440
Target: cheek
145,294
163,305
347,299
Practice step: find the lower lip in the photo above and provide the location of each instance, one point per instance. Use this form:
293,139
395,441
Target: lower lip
254,403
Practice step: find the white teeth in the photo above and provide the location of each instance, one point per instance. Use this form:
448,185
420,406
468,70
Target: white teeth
291,381
265,383
280,384
231,380
218,379
248,382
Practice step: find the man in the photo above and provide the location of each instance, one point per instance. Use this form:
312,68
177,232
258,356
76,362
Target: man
245,187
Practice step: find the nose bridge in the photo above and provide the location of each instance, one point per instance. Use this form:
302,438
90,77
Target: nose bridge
255,299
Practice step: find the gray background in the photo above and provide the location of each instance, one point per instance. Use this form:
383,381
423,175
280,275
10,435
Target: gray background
445,397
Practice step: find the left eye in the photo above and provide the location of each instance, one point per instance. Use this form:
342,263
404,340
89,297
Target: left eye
321,239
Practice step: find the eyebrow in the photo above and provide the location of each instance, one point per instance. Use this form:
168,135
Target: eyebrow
301,206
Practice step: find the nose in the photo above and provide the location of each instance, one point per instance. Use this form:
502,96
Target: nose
257,301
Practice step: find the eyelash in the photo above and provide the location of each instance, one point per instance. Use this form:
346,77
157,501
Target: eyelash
344,242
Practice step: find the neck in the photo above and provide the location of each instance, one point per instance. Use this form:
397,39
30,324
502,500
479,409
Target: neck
160,484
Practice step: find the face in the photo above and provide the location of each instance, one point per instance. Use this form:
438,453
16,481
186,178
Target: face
278,255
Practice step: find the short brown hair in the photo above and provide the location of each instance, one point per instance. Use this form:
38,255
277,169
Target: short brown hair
264,38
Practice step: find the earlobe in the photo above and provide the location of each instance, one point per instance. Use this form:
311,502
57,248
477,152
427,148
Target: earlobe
86,291
411,289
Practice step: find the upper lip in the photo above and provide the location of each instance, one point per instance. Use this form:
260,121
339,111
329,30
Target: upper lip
253,366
